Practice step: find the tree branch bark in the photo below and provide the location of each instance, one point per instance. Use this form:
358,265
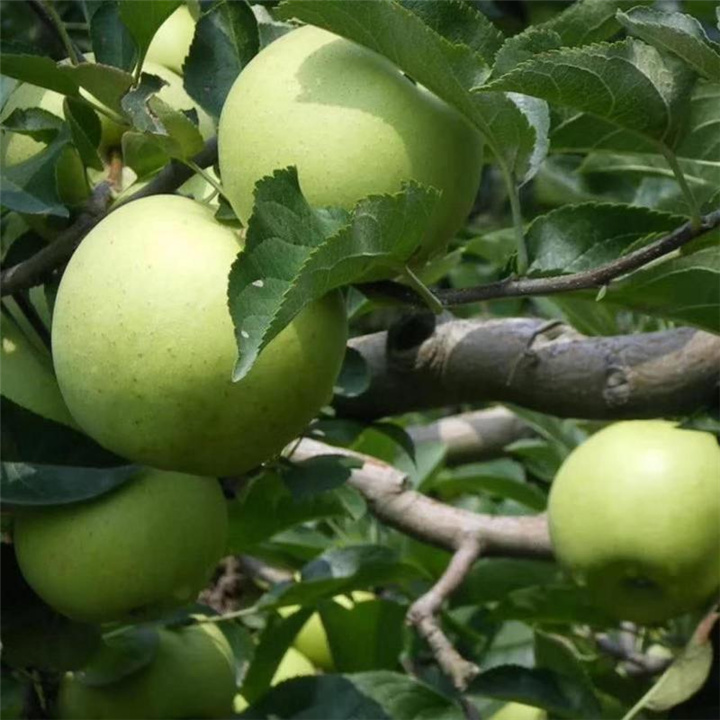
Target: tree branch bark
473,436
543,366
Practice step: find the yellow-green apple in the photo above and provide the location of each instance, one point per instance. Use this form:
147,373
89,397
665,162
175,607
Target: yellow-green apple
191,676
312,640
352,124
171,43
518,711
147,546
144,346
635,516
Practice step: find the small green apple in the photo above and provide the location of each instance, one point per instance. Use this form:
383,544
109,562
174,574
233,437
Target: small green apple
352,123
518,711
144,346
150,545
312,640
171,43
635,516
191,676
293,664
27,377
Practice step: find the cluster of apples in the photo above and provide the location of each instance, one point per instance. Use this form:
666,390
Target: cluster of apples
143,346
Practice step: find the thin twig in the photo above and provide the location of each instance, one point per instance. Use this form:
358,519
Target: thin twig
61,31
585,280
423,615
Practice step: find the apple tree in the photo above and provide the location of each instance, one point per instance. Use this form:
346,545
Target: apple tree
360,359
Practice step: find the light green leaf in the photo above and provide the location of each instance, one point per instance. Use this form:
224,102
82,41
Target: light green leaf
579,237
294,254
38,70
628,83
38,124
677,33
524,46
586,21
106,83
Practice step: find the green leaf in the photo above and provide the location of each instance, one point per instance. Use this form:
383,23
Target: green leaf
144,19
30,438
681,680
142,154
499,478
112,42
628,83
557,654
523,46
294,255
317,475
677,33
226,39
38,70
31,186
366,636
354,377
120,656
380,695
13,692
442,64
38,124
684,288
85,130
39,485
268,507
106,83
586,21
531,686
274,642
579,237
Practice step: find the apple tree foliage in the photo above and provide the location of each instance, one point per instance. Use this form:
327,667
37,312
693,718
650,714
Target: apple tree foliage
602,123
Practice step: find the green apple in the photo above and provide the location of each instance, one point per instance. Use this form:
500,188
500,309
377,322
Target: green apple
293,664
312,640
171,43
191,676
144,346
351,123
150,545
27,377
634,514
518,711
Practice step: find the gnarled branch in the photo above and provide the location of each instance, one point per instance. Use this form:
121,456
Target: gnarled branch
544,366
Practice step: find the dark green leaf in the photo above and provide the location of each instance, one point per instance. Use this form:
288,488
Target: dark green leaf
112,42
226,39
587,21
537,687
378,695
317,475
142,153
628,83
268,507
367,636
354,377
120,656
30,438
106,83
580,237
677,33
294,255
39,124
85,130
36,485
143,19
274,642
38,70
523,46
685,288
